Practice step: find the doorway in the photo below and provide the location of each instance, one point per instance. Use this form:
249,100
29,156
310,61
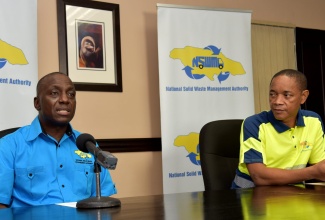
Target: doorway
310,52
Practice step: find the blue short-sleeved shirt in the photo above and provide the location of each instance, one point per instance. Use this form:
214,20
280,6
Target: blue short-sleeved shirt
37,170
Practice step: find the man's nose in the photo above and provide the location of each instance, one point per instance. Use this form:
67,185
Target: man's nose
64,98
278,99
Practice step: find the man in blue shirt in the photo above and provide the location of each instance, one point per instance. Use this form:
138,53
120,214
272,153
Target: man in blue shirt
40,163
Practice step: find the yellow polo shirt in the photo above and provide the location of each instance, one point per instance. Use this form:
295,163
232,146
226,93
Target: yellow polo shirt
264,139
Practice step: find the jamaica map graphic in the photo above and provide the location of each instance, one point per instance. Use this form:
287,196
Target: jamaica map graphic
198,63
11,54
206,62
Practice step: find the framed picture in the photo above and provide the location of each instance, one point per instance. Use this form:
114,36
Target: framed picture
89,44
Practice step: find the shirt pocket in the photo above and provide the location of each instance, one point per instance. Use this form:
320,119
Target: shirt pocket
31,182
83,180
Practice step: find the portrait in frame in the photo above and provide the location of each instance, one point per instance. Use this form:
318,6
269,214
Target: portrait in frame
89,44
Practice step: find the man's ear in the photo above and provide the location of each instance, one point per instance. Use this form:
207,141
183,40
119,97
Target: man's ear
36,104
304,96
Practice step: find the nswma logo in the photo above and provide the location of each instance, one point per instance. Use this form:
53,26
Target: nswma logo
14,56
206,62
191,144
11,54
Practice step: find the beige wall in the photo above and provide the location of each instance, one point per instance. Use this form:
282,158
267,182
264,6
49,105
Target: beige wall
135,112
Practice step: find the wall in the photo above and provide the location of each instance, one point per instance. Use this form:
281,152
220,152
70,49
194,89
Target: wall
135,113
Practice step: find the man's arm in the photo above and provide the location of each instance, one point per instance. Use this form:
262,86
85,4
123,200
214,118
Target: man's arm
2,206
263,175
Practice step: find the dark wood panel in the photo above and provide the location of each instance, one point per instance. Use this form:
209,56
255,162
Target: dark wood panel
118,145
130,144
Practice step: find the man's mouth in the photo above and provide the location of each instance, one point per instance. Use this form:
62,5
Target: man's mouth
278,110
63,111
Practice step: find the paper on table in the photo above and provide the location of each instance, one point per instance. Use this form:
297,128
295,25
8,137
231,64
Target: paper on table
68,204
316,184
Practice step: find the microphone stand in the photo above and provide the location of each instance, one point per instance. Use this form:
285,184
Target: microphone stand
98,201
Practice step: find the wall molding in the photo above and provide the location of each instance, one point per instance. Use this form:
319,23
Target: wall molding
130,144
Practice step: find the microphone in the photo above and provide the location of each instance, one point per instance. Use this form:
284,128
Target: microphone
86,143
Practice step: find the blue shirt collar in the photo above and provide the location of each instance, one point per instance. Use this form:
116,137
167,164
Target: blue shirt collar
280,126
36,130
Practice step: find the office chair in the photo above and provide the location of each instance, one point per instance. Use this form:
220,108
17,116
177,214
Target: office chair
7,131
219,153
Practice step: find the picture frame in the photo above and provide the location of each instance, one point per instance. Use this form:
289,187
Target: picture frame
90,45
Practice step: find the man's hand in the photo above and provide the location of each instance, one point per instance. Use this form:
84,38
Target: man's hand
319,170
2,206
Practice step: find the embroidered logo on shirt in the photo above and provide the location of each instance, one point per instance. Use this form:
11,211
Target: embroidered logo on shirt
84,157
305,146
82,154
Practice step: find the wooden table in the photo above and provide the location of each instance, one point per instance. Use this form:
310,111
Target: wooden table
285,202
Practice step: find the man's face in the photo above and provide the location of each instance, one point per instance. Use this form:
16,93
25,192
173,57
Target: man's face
285,99
87,46
56,101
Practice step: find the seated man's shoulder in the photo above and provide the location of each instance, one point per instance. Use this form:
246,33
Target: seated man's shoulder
259,118
16,133
309,113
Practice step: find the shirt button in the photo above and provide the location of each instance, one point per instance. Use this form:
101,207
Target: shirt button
61,166
62,186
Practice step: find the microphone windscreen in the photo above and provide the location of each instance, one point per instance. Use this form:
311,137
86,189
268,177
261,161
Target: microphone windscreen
82,140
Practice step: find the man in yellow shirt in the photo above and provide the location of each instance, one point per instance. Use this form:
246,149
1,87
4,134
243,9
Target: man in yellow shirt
277,146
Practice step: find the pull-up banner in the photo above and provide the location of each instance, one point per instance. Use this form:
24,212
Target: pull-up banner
205,74
18,62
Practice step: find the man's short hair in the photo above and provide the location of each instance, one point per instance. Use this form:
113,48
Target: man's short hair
299,77
39,83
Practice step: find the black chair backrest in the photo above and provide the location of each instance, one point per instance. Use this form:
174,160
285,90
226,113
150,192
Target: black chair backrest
7,131
219,143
